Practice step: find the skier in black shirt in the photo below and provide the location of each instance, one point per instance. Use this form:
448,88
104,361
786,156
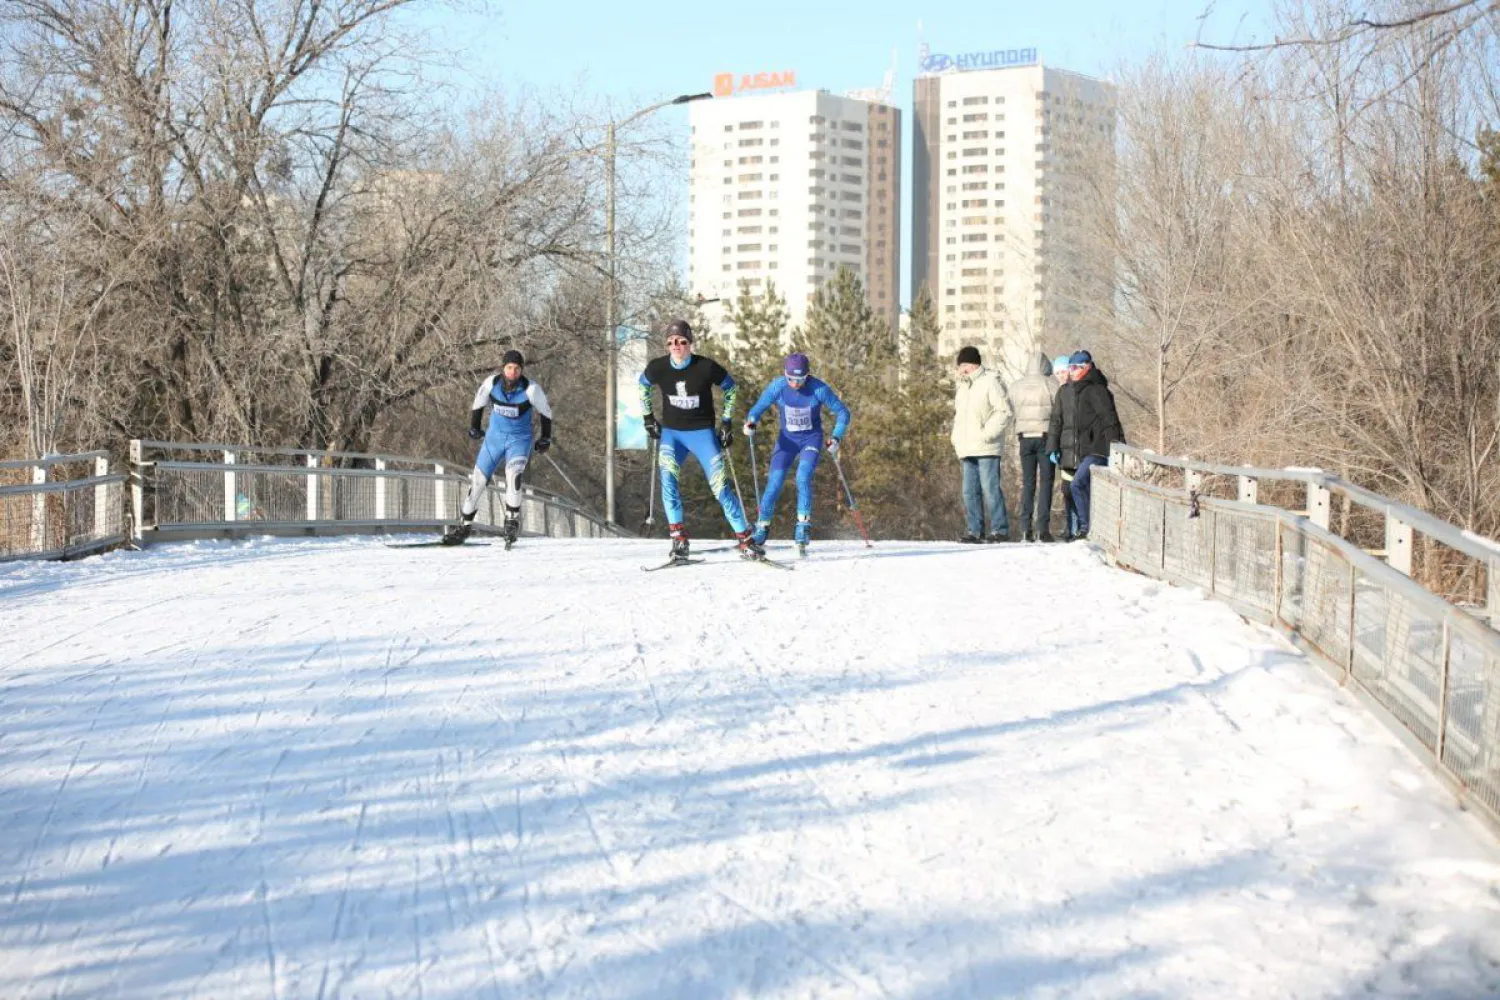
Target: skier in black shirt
687,425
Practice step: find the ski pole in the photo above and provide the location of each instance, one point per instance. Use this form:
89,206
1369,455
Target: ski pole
849,495
560,472
651,487
582,503
735,479
754,474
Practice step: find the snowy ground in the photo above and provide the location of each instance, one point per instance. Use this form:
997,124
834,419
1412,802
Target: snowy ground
333,768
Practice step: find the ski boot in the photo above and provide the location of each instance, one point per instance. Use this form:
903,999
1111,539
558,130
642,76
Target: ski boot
679,537
458,533
749,547
803,535
512,528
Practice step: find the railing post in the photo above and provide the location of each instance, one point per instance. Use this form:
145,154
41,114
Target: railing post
1249,491
1353,590
137,492
1213,552
1398,538
230,504
1442,706
101,499
380,490
312,488
1280,582
1492,605
438,494
1318,504
39,511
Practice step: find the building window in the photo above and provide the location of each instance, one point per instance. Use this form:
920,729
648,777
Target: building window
977,134
745,126
971,101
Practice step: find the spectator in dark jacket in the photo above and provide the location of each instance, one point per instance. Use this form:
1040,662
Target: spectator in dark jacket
1084,425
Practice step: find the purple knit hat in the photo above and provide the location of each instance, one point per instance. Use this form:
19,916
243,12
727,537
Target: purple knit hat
797,365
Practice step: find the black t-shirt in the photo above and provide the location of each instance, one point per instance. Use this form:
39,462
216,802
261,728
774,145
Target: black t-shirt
687,399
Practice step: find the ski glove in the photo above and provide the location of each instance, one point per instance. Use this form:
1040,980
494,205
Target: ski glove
833,447
475,433
542,444
1054,457
653,429
749,427
726,435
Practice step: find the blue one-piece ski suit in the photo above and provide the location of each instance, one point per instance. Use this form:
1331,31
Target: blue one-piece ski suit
800,440
508,440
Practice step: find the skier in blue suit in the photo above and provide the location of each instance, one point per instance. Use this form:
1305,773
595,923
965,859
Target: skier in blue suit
801,399
510,397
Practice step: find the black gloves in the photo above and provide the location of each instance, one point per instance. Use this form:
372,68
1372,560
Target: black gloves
475,433
726,435
653,429
542,444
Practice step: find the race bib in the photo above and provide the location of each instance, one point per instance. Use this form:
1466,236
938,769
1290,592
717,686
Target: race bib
797,418
508,411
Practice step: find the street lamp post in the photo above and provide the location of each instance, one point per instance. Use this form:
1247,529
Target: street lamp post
613,305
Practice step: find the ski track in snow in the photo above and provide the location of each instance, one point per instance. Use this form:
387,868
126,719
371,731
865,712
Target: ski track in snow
334,769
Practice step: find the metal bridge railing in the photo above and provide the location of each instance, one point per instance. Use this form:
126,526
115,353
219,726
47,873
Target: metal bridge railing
60,507
1432,665
196,490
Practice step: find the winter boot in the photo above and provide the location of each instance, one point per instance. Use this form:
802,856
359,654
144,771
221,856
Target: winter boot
679,542
749,547
762,529
512,525
803,534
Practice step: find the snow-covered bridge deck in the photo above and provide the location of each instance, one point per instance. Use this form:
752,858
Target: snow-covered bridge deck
332,768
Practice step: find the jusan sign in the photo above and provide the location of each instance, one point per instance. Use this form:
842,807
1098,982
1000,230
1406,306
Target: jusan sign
942,62
729,84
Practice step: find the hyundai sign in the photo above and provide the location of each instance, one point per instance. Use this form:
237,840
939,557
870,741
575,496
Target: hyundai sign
933,63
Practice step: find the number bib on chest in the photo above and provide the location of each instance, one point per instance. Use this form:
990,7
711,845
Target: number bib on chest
508,411
797,418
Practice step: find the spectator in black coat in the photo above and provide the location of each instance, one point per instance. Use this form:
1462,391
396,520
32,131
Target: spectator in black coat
1084,425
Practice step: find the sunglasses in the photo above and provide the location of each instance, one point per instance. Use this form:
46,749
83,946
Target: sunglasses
677,342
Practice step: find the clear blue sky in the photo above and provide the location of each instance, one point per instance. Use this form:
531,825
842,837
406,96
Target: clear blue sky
631,54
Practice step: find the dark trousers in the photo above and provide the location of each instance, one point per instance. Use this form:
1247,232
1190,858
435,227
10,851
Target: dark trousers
1034,466
1082,480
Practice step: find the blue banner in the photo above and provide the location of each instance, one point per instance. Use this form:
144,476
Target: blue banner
632,352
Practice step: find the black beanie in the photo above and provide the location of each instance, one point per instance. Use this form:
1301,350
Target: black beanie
680,328
968,355
512,357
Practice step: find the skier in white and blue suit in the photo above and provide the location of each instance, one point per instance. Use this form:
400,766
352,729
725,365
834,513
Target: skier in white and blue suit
687,425
801,399
510,397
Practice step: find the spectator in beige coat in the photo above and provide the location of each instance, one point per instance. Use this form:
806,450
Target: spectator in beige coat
980,413
1031,395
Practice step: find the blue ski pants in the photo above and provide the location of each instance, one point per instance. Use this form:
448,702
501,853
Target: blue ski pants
704,446
805,450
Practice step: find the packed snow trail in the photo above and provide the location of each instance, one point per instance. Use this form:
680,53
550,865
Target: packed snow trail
336,769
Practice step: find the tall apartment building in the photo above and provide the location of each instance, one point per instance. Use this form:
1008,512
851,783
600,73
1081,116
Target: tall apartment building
789,187
1011,169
